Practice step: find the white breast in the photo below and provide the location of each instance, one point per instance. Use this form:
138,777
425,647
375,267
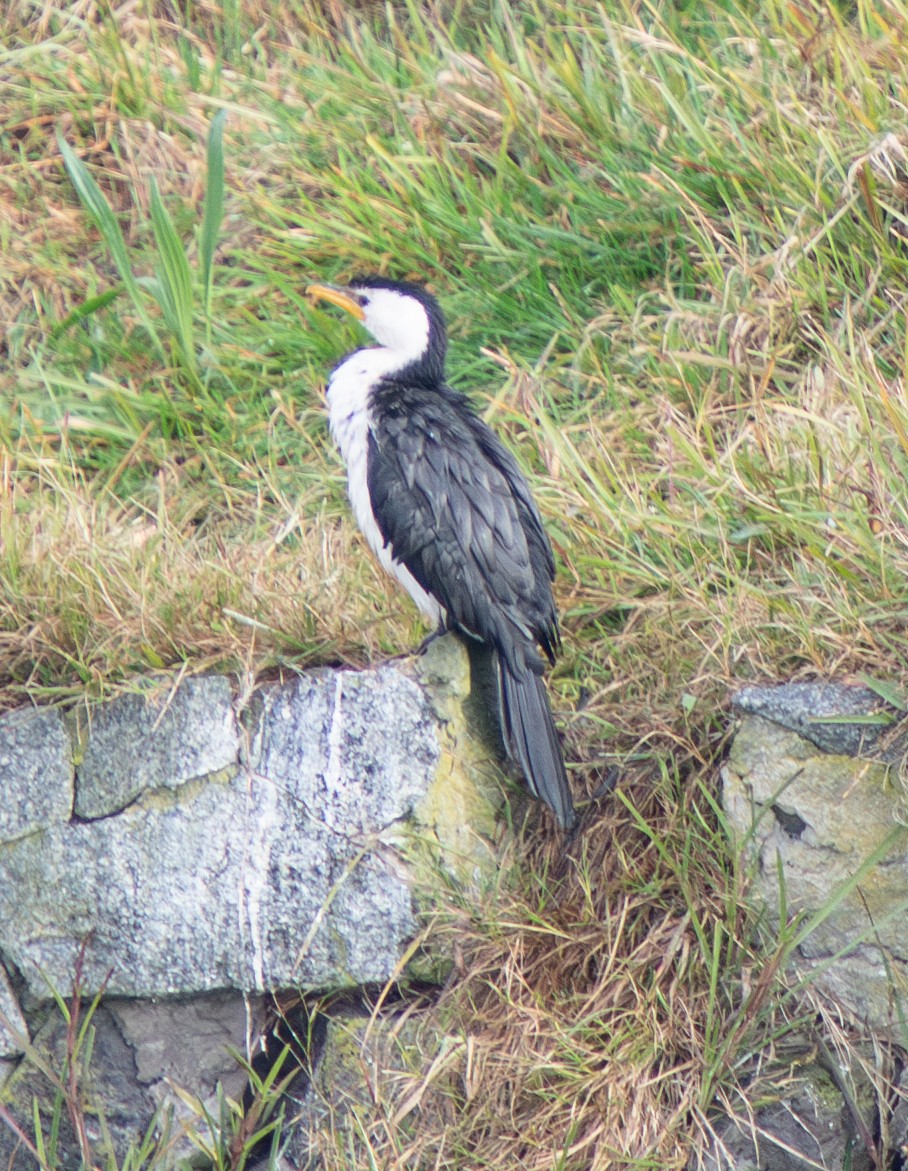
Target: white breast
348,418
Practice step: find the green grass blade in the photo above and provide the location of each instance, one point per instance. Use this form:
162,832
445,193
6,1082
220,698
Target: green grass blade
86,309
92,199
213,210
174,277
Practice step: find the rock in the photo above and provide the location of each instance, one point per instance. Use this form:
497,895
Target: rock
231,883
832,827
191,1043
188,1040
286,868
13,1029
808,1127
14,1154
202,857
898,1124
325,730
110,1079
458,809
138,743
810,709
36,772
140,1052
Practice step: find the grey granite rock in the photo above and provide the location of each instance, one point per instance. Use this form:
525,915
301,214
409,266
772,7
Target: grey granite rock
192,1043
209,858
229,884
351,745
810,709
188,1039
830,830
141,1052
14,1154
280,871
898,1123
160,740
110,1080
36,771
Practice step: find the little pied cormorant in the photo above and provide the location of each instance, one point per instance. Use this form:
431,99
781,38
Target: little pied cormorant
447,511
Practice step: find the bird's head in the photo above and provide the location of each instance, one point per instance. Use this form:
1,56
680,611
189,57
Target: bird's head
402,317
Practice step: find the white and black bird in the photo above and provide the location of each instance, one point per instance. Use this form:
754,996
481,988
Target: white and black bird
447,511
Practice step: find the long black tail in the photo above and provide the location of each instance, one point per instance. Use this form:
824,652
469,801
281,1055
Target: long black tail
531,740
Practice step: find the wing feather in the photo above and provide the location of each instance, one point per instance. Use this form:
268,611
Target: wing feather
453,506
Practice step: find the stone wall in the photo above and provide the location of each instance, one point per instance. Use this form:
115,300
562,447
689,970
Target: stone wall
183,852
814,799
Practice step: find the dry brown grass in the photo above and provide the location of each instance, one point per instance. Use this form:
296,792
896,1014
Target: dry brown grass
98,589
584,1027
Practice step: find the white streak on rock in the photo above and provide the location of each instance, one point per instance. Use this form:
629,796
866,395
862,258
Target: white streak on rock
263,822
334,767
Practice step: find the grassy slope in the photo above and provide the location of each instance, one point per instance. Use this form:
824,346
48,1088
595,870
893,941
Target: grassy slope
670,240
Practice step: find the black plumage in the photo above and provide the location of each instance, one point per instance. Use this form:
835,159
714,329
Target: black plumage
455,508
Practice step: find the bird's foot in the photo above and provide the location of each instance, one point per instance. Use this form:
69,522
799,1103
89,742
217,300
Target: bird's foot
605,789
439,632
608,785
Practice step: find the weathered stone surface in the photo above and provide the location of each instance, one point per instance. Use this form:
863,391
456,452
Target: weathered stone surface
810,709
142,1050
36,771
192,1043
282,851
279,871
808,1127
161,740
316,734
459,808
231,884
14,1155
822,821
898,1124
110,1079
188,1039
13,1029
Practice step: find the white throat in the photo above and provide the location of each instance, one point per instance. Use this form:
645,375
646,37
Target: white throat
349,388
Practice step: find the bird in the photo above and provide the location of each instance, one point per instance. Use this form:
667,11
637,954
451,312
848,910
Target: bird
447,511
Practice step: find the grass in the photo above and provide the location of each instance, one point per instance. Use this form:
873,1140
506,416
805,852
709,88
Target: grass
671,243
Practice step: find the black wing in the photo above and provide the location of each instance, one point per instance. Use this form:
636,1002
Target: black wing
453,505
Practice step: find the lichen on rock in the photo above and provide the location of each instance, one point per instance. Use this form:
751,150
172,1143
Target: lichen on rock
827,839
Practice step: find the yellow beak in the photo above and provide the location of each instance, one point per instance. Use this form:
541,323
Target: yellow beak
337,296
